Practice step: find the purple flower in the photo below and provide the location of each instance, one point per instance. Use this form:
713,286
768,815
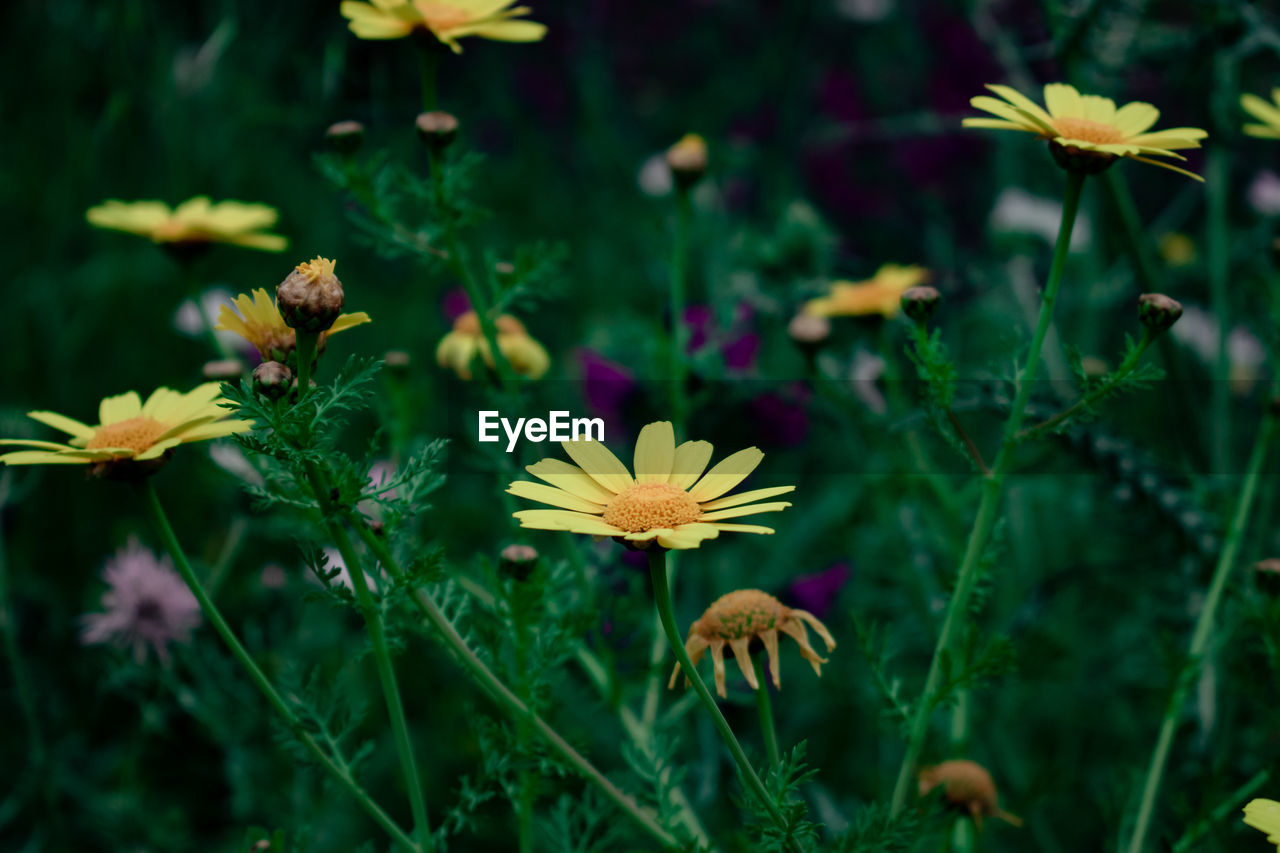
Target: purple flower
608,387
817,592
781,417
737,344
147,604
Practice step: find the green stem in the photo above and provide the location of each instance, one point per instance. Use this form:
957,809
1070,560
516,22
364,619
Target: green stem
21,678
765,706
428,67
679,284
334,766
1203,634
372,613
305,349
1218,259
1229,806
989,505
1087,401
662,599
502,695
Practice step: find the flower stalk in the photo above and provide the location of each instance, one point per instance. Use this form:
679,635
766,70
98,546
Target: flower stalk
764,706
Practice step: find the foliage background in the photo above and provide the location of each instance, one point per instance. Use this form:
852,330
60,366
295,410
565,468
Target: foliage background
835,147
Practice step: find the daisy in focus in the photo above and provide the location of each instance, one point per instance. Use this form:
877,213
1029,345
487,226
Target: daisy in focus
736,618
459,348
1264,815
146,605
1087,132
1266,113
881,294
195,222
258,320
130,431
669,499
446,20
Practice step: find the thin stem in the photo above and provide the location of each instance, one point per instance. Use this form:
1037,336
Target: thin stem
1227,807
372,613
335,767
1218,258
1087,401
428,67
502,695
679,279
305,349
1202,637
989,505
974,453
765,706
662,599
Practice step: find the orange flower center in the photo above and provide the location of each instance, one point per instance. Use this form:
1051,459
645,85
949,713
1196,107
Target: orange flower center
1087,130
175,231
649,506
741,613
137,434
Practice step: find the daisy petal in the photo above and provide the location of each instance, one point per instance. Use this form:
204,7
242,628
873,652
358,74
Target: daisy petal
560,519
119,408
553,496
730,472
750,509
747,497
572,479
1134,118
655,453
743,528
601,465
64,423
690,461
1063,101
1020,101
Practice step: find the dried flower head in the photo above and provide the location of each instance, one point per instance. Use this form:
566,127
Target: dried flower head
968,786
880,294
736,618
459,348
1264,815
1087,133
445,20
669,500
195,222
260,323
132,438
146,605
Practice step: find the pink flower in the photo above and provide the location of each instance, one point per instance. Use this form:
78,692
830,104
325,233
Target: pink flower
147,604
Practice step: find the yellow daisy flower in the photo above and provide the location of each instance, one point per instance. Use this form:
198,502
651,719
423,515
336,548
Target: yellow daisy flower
130,431
880,294
735,618
194,222
447,20
1087,132
669,499
1264,815
259,322
1268,114
459,348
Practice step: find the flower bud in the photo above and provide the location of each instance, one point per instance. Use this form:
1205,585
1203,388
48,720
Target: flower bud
272,379
1158,312
437,129
224,369
687,160
809,331
919,303
311,297
518,561
345,137
397,362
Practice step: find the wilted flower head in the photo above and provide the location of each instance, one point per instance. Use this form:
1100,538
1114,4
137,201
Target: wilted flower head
259,322
195,221
968,786
880,294
736,618
459,348
1264,815
147,604
446,20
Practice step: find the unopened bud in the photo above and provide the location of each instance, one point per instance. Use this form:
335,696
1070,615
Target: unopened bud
1158,312
687,160
311,297
920,303
222,370
345,137
437,129
809,331
518,561
397,361
272,379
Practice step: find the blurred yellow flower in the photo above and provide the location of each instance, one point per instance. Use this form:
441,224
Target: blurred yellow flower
1267,113
459,348
447,20
1264,815
260,323
669,499
736,618
130,430
1088,130
880,294
195,221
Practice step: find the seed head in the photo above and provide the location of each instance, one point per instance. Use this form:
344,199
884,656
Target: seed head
920,303
311,298
1158,312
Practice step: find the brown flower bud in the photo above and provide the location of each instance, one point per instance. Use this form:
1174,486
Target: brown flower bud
345,137
809,331
518,561
272,379
224,369
1158,312
966,785
687,160
920,303
437,129
397,361
311,297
